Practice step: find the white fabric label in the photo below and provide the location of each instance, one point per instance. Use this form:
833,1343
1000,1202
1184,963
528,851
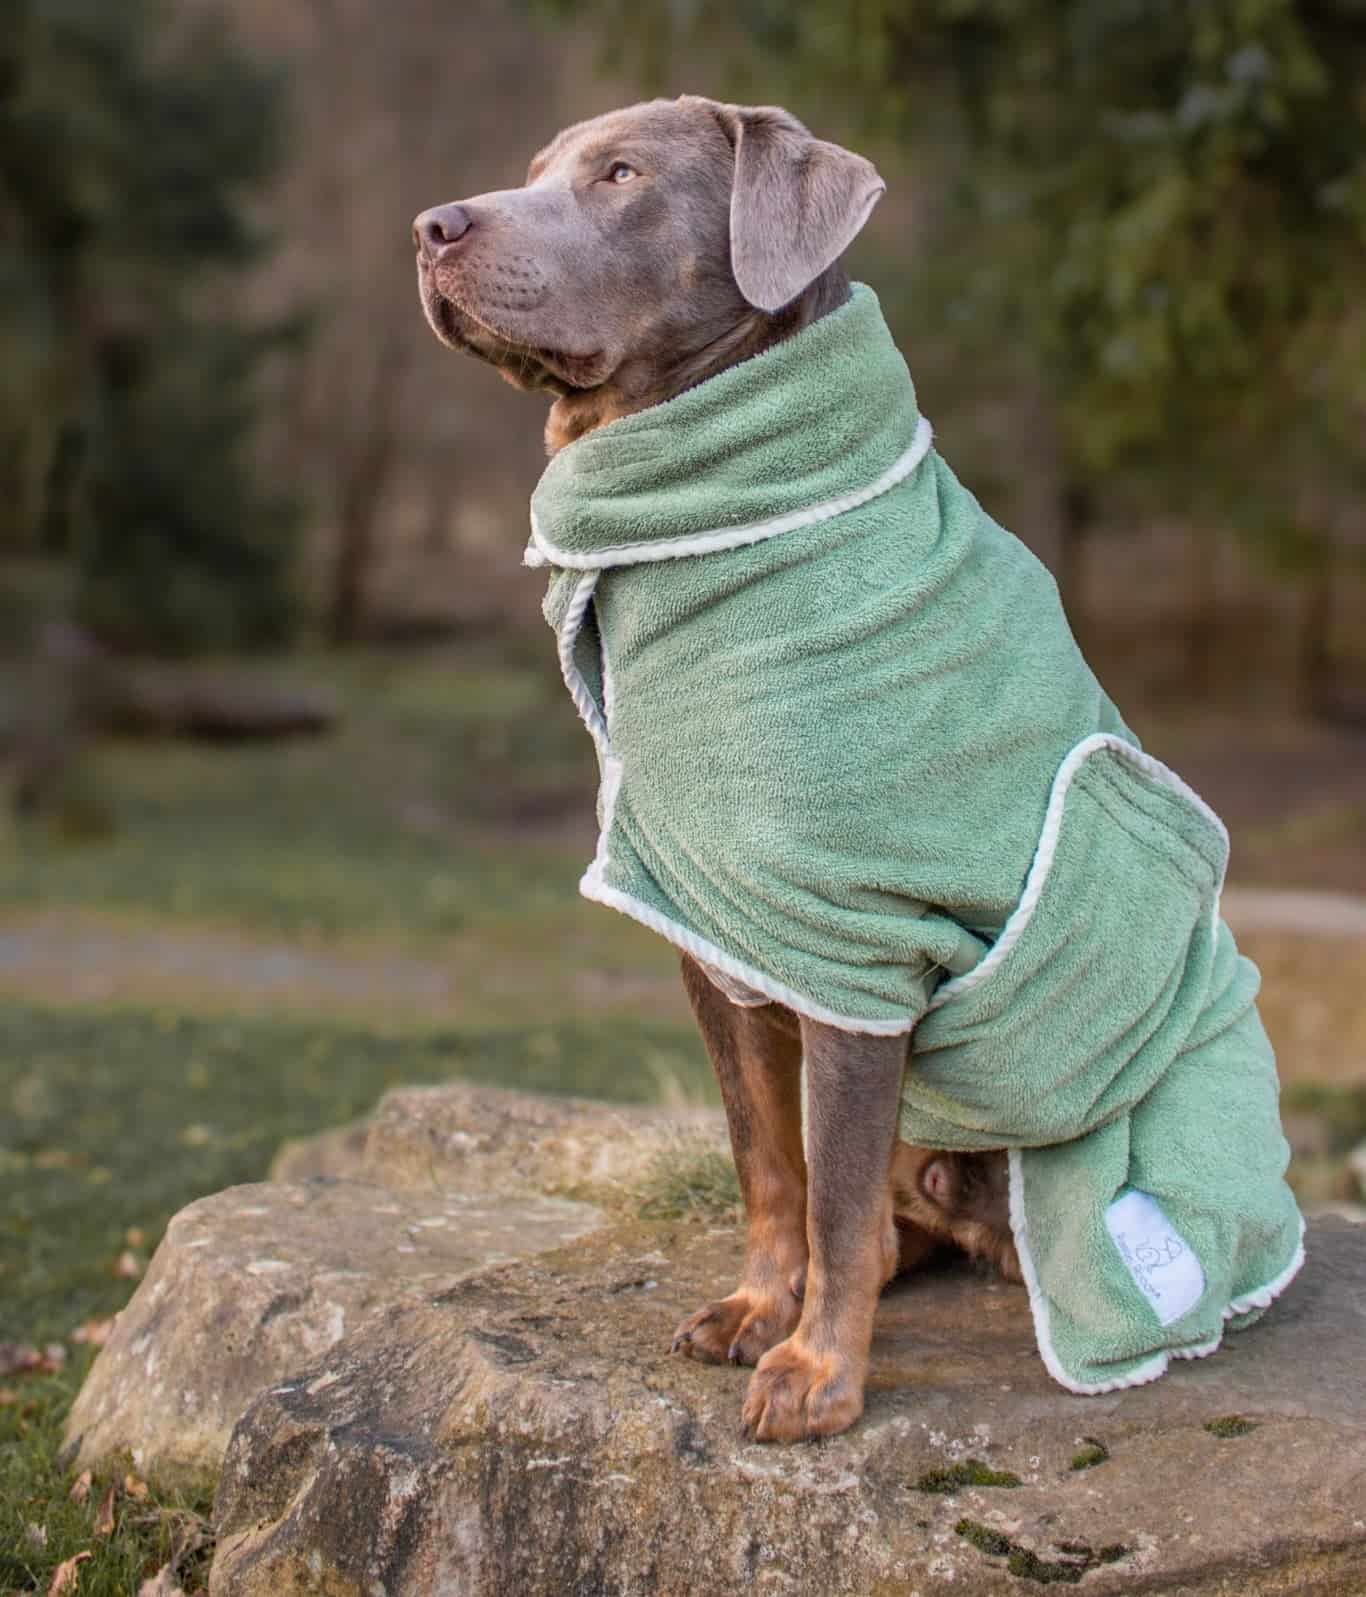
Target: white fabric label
1162,1263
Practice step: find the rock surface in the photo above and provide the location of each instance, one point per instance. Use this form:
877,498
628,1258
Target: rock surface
251,1284
255,1282
467,1137
419,1418
528,1435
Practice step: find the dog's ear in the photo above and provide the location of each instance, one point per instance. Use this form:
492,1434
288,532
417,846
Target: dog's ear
796,203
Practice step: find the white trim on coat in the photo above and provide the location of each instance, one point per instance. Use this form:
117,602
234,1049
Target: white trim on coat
541,551
565,639
594,886
1046,850
1259,1298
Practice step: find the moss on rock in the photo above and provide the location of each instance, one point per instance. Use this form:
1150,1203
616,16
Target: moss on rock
970,1472
1094,1452
1229,1425
1077,1558
983,1538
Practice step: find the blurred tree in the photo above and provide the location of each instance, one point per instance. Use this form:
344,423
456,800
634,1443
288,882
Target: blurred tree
386,426
1159,208
131,143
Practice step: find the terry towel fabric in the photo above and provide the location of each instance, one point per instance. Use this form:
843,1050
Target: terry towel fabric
852,758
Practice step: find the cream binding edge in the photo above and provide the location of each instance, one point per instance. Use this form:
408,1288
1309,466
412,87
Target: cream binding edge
542,552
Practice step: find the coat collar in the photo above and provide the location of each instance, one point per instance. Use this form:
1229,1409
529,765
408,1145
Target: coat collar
812,427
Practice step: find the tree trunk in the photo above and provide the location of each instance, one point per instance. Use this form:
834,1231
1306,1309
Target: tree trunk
439,483
1203,613
364,477
1075,515
1315,665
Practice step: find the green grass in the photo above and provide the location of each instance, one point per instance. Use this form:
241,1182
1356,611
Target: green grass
381,828
114,1121
449,818
35,1500
1341,1109
688,1180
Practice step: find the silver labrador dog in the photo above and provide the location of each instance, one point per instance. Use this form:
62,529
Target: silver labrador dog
649,250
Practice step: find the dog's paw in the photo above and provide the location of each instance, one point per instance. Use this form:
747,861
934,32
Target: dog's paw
739,1329
797,1394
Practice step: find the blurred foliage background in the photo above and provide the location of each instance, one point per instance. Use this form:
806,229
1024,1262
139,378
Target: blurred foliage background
1122,247
1137,229
292,801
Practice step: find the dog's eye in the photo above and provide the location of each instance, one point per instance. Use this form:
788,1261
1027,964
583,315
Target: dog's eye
619,172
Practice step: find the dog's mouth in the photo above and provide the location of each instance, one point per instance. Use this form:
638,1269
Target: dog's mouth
523,365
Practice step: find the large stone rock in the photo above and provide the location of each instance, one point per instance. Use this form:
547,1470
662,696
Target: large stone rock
258,1281
465,1137
529,1436
253,1283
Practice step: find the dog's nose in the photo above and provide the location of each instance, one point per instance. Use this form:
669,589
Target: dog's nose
434,230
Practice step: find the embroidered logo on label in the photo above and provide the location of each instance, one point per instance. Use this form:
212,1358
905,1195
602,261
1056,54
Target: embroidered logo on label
1162,1263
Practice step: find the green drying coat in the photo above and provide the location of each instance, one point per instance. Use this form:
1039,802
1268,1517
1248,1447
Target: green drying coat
853,761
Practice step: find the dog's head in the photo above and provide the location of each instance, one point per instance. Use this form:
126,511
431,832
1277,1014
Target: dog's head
646,233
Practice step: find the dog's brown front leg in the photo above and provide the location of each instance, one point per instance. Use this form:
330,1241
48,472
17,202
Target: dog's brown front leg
757,1056
812,1384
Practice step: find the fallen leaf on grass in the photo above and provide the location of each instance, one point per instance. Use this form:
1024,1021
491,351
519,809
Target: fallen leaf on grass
67,1575
135,1487
80,1489
189,1532
7,1396
135,1236
21,1358
95,1332
16,1357
59,1159
104,1517
162,1584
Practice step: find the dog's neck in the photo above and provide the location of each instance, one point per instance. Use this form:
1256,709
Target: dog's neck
580,410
